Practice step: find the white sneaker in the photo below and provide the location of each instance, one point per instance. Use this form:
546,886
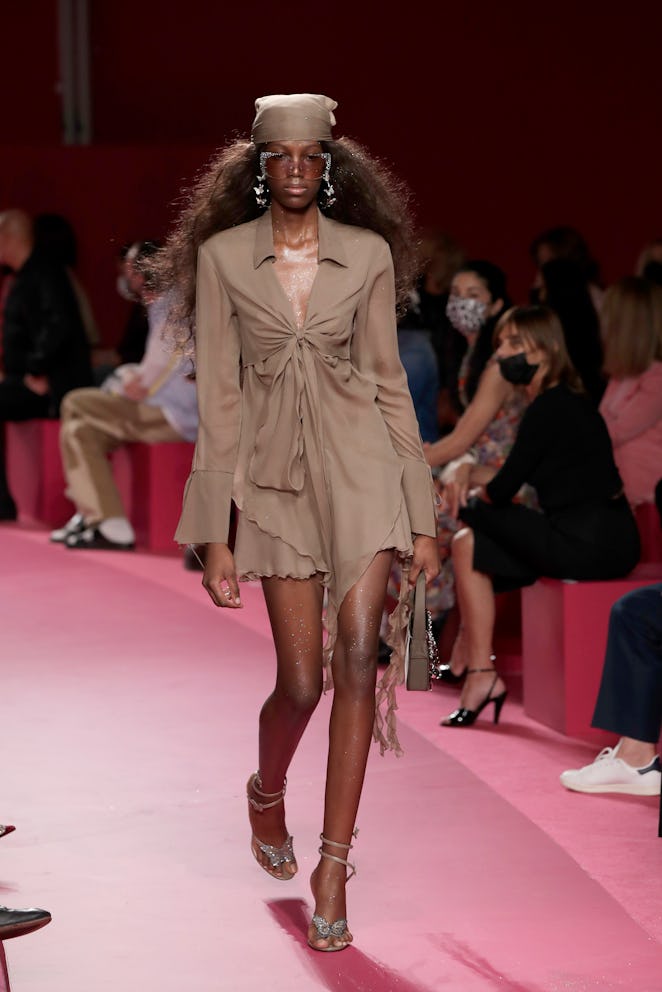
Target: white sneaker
611,774
73,526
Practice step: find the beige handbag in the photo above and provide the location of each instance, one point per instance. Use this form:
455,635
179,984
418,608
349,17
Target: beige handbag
421,656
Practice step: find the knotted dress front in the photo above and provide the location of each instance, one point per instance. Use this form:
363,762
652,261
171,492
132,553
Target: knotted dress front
310,429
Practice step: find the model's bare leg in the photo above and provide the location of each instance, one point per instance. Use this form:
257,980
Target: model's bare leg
475,597
350,731
295,612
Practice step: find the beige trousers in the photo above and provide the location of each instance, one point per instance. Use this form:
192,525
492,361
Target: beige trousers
93,424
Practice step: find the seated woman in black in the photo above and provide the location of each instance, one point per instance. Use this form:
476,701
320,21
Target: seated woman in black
585,530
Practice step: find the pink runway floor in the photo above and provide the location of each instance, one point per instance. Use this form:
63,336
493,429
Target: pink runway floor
128,708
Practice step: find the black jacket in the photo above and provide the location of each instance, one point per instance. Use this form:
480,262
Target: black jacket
43,332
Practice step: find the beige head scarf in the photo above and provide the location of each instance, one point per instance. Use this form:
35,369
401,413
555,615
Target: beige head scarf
293,117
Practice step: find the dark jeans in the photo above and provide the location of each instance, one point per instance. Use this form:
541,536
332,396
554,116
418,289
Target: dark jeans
630,698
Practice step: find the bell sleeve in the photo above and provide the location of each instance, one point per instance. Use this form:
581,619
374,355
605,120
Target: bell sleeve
207,496
375,355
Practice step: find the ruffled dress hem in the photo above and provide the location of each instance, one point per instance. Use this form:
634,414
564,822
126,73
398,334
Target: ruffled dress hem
280,559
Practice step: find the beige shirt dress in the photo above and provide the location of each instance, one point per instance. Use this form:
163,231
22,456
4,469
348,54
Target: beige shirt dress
310,429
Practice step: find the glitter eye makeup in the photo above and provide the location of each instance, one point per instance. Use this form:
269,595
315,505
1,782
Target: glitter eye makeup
278,165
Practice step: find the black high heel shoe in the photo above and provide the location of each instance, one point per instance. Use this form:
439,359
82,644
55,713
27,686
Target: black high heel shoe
444,673
463,717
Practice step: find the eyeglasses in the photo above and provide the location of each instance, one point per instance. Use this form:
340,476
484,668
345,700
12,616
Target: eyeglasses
277,165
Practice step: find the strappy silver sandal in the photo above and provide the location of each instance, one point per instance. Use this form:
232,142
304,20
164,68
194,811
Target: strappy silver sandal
323,929
276,856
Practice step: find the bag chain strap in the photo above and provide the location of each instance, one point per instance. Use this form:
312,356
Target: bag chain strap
433,651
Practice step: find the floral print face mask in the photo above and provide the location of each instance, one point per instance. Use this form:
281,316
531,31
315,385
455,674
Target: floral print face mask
467,315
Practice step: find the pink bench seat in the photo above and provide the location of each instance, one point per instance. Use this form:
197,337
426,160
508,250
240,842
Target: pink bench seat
150,478
564,635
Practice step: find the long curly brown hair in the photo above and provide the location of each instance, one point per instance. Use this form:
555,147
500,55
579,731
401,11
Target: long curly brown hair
367,193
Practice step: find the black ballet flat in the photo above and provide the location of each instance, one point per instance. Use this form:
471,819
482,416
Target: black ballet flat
462,717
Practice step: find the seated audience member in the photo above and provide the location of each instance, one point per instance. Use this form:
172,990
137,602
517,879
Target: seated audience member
440,258
430,347
565,290
131,346
484,433
630,700
420,364
585,528
565,242
152,402
632,403
486,430
630,697
45,351
55,239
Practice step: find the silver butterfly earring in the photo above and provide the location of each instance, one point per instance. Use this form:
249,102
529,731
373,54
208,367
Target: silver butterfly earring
260,189
328,191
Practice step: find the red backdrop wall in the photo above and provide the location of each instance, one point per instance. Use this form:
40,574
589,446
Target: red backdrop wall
503,119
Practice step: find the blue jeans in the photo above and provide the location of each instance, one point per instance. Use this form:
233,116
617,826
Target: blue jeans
420,363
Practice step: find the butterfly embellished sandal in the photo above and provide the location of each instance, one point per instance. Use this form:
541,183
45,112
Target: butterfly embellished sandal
323,929
276,856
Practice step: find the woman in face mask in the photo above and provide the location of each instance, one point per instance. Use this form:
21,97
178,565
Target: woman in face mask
483,435
478,296
586,529
477,299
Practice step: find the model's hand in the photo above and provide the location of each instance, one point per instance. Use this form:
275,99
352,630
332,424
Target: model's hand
220,576
426,559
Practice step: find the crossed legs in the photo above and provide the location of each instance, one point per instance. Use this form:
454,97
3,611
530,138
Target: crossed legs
93,424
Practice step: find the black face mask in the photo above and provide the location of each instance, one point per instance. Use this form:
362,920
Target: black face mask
516,370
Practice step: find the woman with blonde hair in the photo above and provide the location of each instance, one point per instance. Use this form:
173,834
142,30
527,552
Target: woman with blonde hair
585,528
632,403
